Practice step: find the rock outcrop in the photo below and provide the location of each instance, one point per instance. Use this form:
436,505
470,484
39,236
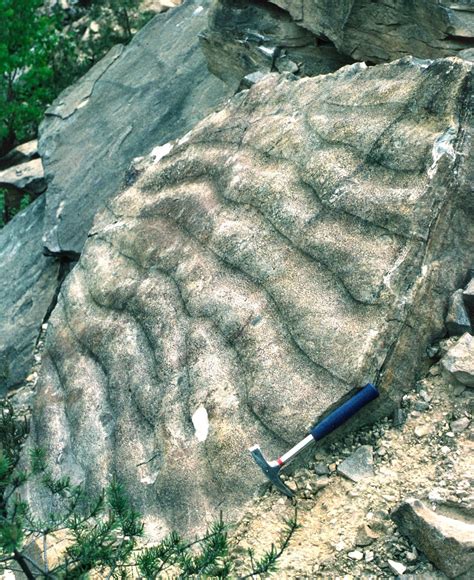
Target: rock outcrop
28,284
147,93
383,31
291,247
137,97
245,37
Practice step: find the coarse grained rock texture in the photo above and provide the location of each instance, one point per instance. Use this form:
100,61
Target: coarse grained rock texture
28,283
446,541
244,37
137,97
383,31
293,246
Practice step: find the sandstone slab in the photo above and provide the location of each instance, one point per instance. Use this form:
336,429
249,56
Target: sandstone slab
384,31
137,97
297,244
446,541
28,283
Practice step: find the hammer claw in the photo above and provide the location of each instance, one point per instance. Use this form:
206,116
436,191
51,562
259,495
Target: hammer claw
271,471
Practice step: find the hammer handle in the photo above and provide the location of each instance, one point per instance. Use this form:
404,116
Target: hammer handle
344,412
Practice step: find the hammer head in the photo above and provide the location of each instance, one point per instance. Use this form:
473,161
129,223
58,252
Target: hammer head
271,471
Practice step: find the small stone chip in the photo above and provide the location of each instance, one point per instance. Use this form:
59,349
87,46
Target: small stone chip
397,567
359,465
356,555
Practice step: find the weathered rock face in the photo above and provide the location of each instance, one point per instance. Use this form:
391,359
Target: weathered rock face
28,283
143,95
380,32
293,246
244,37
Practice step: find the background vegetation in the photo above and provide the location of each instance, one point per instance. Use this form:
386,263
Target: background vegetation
44,49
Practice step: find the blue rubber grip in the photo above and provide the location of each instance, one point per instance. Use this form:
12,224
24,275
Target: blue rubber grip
344,412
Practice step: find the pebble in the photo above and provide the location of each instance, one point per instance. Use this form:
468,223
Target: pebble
423,430
368,556
434,371
356,555
397,567
44,326
421,406
425,395
460,425
321,482
365,536
321,469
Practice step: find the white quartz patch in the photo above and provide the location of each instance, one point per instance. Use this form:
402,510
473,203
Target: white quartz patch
201,423
160,151
443,146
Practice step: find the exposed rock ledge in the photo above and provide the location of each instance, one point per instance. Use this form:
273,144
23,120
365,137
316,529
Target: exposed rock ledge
383,31
298,243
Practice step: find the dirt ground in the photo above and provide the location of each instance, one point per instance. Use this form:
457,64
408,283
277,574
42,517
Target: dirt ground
429,456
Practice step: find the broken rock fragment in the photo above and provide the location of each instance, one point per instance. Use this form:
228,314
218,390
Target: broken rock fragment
458,362
445,541
457,319
359,465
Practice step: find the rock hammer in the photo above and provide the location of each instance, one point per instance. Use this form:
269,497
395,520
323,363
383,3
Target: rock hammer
339,416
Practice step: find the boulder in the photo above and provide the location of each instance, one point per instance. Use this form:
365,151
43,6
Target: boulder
458,362
28,284
21,154
445,541
138,96
301,242
27,177
384,31
245,37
